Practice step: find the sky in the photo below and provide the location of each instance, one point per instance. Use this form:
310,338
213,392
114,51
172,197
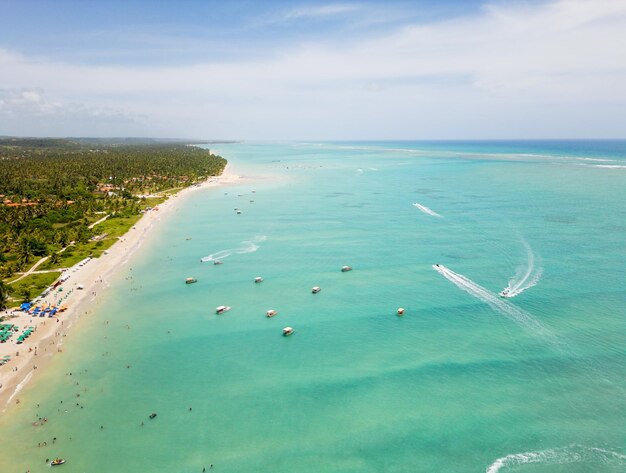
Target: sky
291,70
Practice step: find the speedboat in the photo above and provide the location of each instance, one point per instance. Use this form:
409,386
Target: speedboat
287,331
57,461
258,279
190,280
221,309
271,313
345,269
400,311
316,289
505,292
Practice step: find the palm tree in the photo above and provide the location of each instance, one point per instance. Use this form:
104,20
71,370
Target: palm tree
4,295
26,294
54,258
25,250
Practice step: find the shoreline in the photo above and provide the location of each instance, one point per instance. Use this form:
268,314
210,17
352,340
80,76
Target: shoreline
49,335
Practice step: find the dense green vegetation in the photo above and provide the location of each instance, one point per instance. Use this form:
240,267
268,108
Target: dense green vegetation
52,190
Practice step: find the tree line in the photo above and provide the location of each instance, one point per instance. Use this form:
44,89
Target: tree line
50,189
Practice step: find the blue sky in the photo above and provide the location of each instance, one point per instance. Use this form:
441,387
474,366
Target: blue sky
314,70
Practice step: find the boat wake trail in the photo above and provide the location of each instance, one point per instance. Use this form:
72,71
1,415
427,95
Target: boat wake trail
426,210
560,456
524,278
516,314
248,246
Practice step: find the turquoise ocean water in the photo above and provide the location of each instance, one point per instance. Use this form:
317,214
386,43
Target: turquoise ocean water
466,381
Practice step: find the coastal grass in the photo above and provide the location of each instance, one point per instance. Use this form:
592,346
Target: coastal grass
35,284
113,227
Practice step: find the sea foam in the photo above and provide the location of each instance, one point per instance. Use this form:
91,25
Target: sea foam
426,210
524,278
514,313
247,246
559,456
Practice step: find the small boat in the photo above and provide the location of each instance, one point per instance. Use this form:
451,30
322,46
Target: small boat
238,211
505,292
258,279
217,262
400,311
345,269
316,289
271,313
153,415
57,461
287,331
190,280
221,309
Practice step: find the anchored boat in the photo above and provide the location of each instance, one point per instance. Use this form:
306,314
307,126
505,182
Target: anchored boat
221,309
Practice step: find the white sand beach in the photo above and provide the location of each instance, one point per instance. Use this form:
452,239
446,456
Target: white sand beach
50,332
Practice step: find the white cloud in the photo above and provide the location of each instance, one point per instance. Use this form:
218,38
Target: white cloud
31,112
34,103
493,74
320,11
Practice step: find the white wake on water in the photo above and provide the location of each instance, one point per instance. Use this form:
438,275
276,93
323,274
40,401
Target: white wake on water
247,246
524,277
516,314
559,456
426,210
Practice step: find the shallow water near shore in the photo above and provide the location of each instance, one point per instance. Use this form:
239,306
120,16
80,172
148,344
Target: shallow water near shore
465,381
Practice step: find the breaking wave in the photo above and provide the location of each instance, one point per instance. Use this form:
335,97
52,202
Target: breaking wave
426,210
596,159
608,166
514,313
247,246
560,456
524,277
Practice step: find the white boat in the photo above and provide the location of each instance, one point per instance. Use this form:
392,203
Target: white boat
216,262
345,269
400,311
316,289
271,313
57,461
190,280
287,331
505,292
221,309
258,279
